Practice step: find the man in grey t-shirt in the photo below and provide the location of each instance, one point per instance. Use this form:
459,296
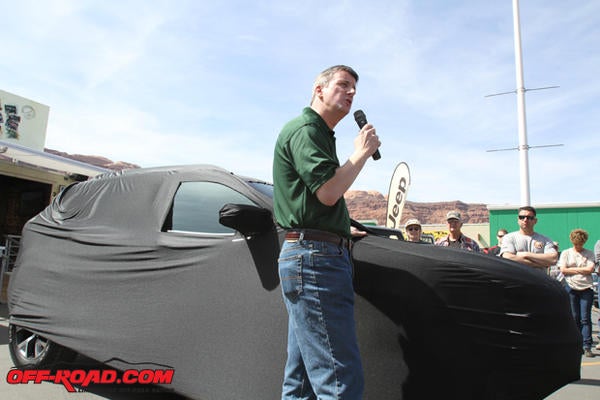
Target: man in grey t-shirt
528,247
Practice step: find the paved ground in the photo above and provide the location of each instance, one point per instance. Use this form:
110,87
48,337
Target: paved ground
588,388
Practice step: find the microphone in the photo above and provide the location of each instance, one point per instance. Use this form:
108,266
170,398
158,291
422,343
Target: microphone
361,120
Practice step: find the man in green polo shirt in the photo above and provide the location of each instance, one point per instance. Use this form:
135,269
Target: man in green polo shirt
315,264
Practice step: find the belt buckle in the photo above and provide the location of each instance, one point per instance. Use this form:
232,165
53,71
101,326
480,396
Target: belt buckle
295,240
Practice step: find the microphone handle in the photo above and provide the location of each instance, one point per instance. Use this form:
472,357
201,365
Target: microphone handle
361,120
376,155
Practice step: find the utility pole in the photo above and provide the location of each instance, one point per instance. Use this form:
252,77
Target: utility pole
523,146
522,120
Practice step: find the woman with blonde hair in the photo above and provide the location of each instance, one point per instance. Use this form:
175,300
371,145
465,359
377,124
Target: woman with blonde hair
577,265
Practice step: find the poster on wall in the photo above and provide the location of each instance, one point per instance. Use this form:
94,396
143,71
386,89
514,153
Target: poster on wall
23,121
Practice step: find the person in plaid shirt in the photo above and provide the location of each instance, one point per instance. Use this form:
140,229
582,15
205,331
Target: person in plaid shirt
456,238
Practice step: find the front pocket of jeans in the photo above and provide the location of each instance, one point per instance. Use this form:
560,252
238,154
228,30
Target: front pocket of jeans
290,273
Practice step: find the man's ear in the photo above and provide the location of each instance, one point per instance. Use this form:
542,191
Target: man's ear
318,92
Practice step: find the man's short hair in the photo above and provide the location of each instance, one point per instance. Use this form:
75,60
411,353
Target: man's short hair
528,208
325,77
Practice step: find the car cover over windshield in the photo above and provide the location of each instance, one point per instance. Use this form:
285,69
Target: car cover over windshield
100,272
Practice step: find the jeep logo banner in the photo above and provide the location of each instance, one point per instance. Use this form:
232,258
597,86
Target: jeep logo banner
397,195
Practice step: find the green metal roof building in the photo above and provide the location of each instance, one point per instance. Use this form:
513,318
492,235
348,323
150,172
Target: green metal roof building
554,220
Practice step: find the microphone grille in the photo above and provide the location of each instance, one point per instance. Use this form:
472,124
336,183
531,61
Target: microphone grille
359,114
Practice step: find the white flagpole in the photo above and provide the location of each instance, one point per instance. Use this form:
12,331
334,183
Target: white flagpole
523,146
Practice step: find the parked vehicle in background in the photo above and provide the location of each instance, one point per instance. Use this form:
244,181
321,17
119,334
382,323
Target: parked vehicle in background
428,238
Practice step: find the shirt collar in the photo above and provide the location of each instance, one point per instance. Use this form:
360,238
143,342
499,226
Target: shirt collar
314,116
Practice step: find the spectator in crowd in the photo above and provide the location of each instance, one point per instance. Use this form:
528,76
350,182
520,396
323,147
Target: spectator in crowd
495,250
554,270
455,237
597,257
527,246
413,230
577,265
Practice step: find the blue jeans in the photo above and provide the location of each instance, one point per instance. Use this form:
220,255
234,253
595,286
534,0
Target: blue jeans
581,308
323,357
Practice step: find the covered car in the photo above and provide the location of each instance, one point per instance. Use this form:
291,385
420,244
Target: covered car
176,267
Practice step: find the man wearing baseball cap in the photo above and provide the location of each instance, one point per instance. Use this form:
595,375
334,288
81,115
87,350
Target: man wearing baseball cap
455,237
413,231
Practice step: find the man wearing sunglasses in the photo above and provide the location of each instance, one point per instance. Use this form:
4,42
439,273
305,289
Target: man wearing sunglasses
527,246
413,231
495,250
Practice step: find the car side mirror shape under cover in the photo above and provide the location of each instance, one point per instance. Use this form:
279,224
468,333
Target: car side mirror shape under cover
247,219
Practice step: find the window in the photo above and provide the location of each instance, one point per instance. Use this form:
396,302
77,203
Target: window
197,204
264,188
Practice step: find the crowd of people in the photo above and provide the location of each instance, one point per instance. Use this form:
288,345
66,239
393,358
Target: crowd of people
575,265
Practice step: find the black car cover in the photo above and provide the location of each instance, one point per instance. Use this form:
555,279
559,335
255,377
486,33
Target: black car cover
472,326
100,273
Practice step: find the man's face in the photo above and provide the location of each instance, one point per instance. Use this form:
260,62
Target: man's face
413,232
454,225
499,236
527,220
339,92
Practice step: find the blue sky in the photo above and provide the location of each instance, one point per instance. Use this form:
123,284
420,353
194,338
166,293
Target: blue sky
181,82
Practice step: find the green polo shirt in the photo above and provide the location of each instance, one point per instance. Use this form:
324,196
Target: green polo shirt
305,158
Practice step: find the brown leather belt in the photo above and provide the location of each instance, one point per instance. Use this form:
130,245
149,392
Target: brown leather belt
319,236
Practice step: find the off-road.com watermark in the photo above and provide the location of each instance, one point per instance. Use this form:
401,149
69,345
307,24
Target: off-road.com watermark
83,378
